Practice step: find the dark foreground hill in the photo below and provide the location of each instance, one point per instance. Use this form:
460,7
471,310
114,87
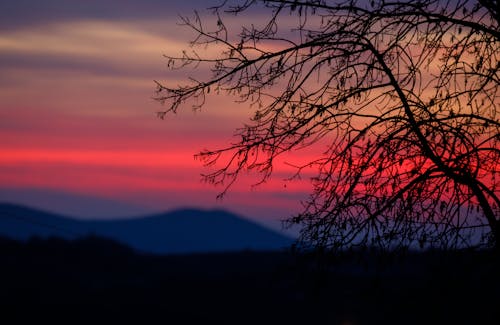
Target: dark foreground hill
93,280
182,231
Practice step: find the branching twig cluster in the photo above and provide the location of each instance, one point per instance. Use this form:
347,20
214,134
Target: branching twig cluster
404,93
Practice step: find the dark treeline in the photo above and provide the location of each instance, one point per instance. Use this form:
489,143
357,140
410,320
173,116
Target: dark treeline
91,278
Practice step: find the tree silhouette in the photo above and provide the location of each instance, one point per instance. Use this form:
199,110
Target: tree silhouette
402,94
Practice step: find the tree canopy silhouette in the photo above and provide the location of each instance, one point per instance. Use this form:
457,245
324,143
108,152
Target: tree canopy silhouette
403,94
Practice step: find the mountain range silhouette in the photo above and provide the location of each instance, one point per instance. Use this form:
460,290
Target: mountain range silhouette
176,232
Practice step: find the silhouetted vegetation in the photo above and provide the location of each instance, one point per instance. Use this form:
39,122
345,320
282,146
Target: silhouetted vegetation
93,279
402,96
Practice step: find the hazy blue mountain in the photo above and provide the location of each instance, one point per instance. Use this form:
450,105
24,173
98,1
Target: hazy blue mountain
77,205
181,231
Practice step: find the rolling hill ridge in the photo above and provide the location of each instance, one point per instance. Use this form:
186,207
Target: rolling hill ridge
176,232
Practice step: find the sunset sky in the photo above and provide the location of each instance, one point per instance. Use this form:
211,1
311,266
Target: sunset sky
78,129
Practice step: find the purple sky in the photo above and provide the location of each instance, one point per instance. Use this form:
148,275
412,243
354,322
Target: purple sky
78,131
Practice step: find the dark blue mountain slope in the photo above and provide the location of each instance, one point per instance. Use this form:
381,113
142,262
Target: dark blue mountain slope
181,231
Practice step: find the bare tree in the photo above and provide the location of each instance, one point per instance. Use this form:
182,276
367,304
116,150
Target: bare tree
404,94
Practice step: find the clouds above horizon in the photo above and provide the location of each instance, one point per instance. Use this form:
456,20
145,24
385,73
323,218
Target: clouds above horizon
21,14
77,114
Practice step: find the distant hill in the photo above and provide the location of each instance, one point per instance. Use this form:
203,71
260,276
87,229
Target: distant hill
176,232
78,205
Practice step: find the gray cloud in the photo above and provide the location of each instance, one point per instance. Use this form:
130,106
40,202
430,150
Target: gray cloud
24,13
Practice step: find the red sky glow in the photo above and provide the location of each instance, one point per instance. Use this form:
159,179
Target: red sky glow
77,115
